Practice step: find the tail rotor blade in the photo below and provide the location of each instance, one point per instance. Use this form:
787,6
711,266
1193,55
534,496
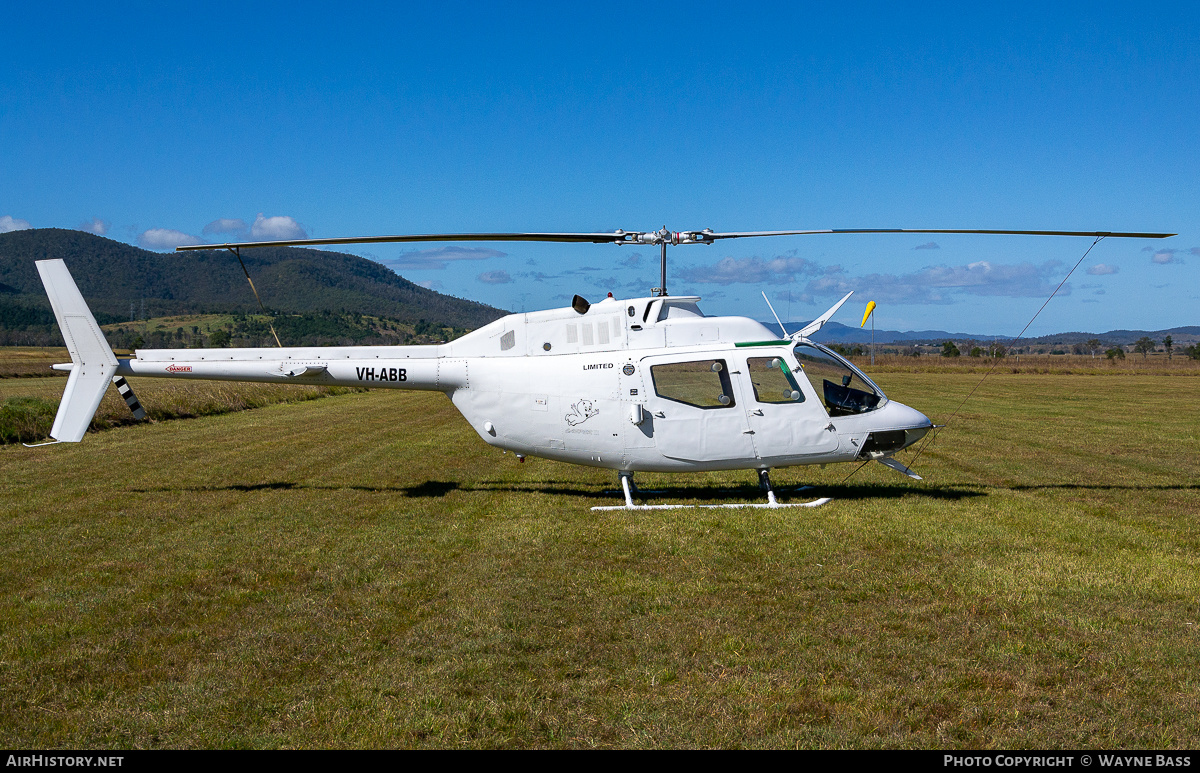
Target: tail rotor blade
131,400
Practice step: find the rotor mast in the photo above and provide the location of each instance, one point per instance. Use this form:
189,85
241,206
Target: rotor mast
662,287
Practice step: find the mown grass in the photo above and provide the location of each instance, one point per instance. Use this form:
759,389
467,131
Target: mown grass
27,407
364,572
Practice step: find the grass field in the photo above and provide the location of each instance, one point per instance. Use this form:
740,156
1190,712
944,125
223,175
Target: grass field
28,405
362,571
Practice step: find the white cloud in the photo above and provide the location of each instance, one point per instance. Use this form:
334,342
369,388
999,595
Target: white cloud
942,284
1100,269
226,225
438,257
95,226
928,246
779,270
1165,255
431,284
500,277
539,276
929,285
277,228
10,223
166,239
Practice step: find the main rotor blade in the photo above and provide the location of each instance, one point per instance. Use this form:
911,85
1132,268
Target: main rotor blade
647,237
594,238
743,234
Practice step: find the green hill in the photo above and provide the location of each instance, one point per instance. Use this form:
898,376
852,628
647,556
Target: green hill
115,277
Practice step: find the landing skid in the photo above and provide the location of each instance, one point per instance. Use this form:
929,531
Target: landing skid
764,481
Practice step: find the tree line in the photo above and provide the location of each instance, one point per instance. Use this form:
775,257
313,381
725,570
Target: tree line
1143,346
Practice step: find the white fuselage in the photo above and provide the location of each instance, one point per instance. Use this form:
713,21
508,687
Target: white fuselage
579,387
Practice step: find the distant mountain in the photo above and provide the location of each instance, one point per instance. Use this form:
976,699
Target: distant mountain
834,332
114,276
845,334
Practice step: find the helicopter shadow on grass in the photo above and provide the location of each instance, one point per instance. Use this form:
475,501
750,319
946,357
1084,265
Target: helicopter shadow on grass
713,493
430,488
1145,488
722,494
736,494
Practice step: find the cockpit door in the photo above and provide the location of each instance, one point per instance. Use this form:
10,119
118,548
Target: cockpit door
785,416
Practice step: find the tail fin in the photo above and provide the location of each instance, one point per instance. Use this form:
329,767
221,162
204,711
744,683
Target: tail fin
93,361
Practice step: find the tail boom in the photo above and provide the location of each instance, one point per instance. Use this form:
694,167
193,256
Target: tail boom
387,367
93,365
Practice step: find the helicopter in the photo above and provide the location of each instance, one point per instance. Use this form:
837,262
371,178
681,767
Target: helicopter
648,384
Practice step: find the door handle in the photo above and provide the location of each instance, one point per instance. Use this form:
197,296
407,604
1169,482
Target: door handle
757,412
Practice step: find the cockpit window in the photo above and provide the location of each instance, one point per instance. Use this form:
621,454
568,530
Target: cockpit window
844,389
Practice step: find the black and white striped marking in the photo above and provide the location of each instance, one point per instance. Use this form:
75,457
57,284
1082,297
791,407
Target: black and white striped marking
131,400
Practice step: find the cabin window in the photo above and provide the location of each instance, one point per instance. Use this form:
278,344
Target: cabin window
677,310
773,380
844,389
703,383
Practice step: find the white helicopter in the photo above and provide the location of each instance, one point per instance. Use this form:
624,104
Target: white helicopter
642,384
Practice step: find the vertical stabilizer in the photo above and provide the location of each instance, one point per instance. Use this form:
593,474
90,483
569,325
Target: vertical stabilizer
93,361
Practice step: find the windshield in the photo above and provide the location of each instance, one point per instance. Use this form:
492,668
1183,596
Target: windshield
842,387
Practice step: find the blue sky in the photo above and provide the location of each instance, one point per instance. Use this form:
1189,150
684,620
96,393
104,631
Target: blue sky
157,125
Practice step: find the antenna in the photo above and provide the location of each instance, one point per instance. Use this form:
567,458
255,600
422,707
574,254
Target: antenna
237,251
772,308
